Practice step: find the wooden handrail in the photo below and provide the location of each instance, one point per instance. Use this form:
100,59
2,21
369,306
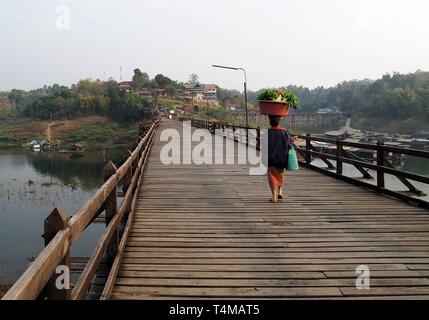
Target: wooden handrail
81,287
108,287
32,281
398,150
412,176
80,220
35,278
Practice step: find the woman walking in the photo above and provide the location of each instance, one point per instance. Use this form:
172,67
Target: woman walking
279,143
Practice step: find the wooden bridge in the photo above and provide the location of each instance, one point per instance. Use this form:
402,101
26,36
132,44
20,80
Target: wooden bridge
209,231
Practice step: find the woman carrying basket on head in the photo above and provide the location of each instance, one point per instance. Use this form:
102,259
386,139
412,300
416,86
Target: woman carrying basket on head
279,144
281,155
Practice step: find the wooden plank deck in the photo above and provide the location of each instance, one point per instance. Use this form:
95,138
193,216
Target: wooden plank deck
209,231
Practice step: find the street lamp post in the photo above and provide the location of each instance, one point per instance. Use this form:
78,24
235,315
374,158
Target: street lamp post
207,109
245,96
192,110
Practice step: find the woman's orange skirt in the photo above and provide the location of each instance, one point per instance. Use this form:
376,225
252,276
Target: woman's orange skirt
275,177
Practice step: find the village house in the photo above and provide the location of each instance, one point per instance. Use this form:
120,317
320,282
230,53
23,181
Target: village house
144,92
232,106
184,95
202,92
161,92
210,93
126,86
195,92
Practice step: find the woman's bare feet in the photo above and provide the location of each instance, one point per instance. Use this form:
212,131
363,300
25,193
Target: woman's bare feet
274,192
280,194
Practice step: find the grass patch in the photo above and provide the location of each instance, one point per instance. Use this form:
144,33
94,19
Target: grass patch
104,134
92,132
7,126
17,132
8,139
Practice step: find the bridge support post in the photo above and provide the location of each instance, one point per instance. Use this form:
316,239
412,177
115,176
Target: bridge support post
380,164
110,209
308,148
258,138
57,221
339,154
126,184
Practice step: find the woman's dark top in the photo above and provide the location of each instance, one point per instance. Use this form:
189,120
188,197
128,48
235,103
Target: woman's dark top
279,144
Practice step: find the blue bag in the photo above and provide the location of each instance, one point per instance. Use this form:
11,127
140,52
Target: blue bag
292,160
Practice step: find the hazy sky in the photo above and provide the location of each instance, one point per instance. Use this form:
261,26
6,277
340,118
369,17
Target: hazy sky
279,42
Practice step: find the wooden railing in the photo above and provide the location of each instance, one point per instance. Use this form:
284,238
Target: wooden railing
60,232
380,165
236,132
341,156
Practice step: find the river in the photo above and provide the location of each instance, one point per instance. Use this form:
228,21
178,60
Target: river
31,185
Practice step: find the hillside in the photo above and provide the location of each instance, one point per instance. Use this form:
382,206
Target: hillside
395,103
93,131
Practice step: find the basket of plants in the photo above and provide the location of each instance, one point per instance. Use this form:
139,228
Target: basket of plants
277,102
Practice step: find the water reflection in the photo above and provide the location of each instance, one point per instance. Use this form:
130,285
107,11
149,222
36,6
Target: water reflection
31,185
416,165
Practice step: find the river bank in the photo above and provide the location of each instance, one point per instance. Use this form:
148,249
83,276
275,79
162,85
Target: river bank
408,126
94,132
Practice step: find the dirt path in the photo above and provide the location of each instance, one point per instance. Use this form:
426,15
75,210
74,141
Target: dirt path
48,133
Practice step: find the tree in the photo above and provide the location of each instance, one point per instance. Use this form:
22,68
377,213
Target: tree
90,87
58,90
89,104
219,113
140,79
16,95
45,107
132,107
171,90
7,108
162,81
152,84
226,96
193,78
112,91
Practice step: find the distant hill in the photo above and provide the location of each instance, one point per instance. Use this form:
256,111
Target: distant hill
393,97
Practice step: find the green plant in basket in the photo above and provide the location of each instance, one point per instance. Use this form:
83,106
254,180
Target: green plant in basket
280,95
